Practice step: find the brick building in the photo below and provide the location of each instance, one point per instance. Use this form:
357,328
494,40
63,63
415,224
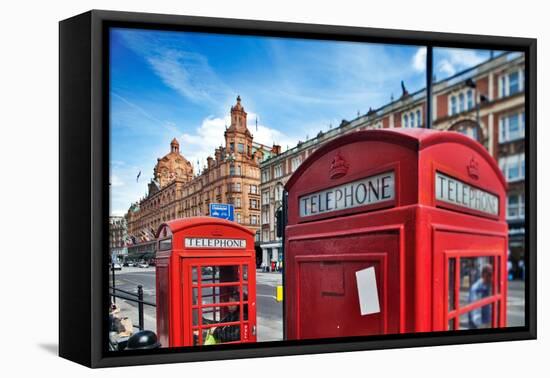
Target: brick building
485,102
232,176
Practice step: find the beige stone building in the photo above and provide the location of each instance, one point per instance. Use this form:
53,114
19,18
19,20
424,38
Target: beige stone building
231,176
118,234
485,102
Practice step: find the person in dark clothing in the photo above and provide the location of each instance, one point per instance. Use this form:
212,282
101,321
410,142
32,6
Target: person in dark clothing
230,333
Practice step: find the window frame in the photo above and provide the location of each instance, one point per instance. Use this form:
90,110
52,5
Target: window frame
494,300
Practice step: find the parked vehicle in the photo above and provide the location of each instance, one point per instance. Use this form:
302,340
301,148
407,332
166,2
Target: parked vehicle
143,265
117,266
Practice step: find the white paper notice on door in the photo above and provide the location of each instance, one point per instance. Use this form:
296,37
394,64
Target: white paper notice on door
368,292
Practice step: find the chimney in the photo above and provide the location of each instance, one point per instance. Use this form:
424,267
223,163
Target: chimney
276,149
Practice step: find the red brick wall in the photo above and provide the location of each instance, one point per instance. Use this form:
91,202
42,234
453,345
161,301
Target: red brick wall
442,106
483,86
397,119
386,122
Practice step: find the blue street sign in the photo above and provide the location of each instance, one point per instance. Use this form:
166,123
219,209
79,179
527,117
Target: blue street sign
222,210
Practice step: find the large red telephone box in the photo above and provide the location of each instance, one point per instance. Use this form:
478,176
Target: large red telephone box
205,282
394,231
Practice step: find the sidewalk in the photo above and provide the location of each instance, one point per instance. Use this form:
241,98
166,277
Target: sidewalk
130,310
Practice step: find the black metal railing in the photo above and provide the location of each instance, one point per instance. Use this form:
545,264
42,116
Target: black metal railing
133,297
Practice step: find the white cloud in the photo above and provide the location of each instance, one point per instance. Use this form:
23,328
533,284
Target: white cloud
446,67
419,59
116,181
201,143
451,61
204,140
189,74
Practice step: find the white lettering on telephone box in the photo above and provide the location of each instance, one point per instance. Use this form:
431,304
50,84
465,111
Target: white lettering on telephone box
366,191
453,191
214,243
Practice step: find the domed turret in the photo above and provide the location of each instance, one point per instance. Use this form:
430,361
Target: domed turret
173,166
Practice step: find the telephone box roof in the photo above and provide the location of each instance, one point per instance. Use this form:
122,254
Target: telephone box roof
416,139
177,225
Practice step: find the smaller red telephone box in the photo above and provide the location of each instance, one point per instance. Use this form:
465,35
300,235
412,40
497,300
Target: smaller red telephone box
395,231
205,283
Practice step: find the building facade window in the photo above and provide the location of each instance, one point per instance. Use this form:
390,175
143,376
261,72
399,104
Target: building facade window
253,189
453,106
295,162
470,132
512,127
254,204
254,219
265,217
265,197
278,193
412,118
511,83
470,99
231,170
239,218
515,208
238,202
278,171
513,167
265,175
461,101
265,235
240,148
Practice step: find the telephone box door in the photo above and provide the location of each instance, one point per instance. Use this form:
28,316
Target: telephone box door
348,286
221,297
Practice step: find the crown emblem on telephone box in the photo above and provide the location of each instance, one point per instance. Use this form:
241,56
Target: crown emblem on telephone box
473,169
338,167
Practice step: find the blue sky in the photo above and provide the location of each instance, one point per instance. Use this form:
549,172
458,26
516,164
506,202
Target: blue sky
180,84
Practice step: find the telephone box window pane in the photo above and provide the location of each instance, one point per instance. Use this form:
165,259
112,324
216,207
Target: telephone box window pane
477,318
219,314
194,275
229,273
451,296
245,293
219,294
210,274
476,279
210,295
451,325
195,317
245,272
211,315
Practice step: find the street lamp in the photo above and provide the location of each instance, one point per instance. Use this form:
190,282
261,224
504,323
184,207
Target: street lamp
470,83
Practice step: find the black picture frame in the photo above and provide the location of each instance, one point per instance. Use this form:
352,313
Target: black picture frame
84,189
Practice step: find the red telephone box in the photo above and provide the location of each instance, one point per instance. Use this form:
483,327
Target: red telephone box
205,282
395,231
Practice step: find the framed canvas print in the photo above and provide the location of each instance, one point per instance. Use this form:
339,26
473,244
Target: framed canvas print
236,188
